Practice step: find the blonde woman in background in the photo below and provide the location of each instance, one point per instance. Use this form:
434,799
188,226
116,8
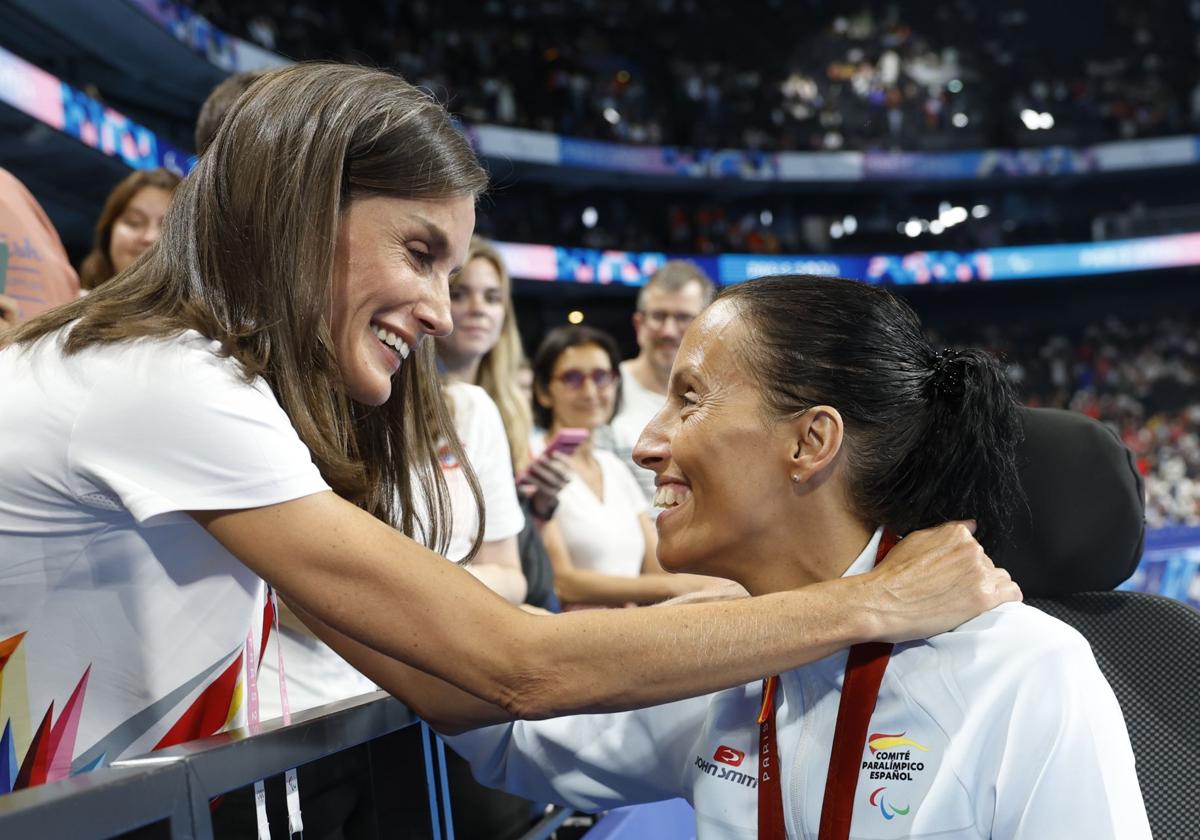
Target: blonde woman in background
485,350
485,347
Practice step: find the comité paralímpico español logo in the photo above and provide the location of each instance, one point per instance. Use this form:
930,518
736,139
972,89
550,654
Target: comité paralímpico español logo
891,759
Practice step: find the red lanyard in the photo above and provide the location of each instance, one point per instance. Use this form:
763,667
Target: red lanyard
860,690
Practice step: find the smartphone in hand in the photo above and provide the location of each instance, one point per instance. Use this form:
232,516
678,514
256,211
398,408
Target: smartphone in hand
565,441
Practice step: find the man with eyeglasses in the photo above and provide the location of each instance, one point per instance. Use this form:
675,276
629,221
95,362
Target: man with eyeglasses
666,305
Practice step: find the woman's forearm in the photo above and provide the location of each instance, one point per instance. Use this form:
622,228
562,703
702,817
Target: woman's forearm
583,586
374,585
614,660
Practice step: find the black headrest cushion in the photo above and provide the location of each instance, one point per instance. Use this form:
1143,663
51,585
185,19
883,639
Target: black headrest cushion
1085,526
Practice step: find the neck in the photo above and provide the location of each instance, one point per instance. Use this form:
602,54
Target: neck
462,369
817,544
648,376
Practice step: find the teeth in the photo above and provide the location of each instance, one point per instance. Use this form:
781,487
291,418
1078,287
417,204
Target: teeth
392,340
668,496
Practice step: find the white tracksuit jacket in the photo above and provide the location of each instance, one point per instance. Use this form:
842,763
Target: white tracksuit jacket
1004,728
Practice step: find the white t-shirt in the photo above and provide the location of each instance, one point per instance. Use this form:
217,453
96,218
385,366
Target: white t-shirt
485,443
117,609
602,535
638,406
1004,728
316,675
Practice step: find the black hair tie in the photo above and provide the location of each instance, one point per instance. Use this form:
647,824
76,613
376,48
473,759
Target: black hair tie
945,378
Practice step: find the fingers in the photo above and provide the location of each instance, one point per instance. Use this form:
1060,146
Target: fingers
548,475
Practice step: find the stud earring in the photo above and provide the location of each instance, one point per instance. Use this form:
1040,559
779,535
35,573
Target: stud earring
795,478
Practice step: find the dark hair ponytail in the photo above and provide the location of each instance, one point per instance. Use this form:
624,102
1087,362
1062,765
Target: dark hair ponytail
930,436
961,463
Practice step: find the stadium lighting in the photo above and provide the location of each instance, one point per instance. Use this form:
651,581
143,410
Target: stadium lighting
912,228
590,217
612,116
981,211
951,216
575,316
835,230
1034,120
766,218
850,225
960,120
955,86
936,227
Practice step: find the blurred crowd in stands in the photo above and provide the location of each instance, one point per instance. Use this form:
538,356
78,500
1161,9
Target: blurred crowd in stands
676,72
1139,377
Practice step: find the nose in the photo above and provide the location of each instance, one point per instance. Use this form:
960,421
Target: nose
653,449
475,304
433,311
670,328
151,233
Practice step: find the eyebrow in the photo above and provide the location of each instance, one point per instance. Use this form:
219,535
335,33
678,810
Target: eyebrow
686,374
438,240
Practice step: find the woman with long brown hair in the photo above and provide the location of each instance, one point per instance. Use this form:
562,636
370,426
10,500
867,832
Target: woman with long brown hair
254,400
129,224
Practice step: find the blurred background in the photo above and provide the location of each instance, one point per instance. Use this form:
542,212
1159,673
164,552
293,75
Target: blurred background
1027,175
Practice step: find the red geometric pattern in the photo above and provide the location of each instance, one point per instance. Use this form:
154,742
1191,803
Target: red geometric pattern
207,715
37,759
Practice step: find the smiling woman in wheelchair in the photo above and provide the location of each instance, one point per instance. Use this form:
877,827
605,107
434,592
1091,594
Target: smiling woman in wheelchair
809,424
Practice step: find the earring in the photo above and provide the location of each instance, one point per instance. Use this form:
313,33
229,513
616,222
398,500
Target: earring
795,478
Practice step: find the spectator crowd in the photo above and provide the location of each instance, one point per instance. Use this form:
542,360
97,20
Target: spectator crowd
1137,376
767,75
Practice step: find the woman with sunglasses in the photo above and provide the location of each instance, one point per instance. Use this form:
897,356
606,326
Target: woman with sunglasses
607,553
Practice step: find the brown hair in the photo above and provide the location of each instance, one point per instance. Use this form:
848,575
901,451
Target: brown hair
674,275
499,366
97,266
214,109
246,258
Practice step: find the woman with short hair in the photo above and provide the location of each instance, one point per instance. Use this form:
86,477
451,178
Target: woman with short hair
607,552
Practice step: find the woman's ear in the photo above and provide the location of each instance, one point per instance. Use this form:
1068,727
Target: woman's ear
817,436
541,395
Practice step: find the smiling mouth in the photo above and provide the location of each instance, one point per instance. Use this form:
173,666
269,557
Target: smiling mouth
392,340
669,496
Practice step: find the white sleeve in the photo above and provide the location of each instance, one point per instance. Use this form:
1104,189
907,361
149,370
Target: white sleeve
589,762
1068,768
179,430
487,449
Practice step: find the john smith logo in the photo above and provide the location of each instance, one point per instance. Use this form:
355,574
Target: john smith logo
728,755
890,812
721,767
883,741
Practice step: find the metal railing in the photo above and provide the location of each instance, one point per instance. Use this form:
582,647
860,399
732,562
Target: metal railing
176,784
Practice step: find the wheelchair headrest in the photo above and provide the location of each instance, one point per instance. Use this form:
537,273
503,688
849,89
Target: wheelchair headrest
1085,526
